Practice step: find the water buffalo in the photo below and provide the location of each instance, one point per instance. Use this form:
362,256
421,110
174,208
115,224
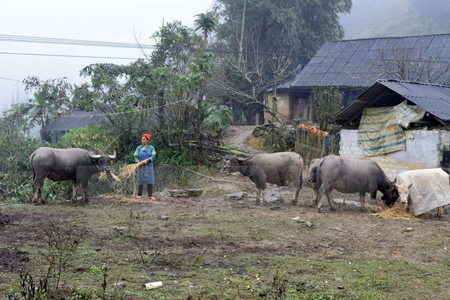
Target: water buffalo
348,175
276,168
73,164
313,165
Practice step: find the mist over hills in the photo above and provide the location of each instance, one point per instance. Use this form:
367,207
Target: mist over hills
388,18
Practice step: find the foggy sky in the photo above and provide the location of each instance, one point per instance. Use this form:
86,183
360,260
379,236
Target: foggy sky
100,20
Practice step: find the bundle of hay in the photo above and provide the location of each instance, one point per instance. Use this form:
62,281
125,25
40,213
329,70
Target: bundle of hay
104,176
395,213
128,172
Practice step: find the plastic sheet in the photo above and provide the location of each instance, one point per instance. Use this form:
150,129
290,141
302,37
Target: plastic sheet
430,189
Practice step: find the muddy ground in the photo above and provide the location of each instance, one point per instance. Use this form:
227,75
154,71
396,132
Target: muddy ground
211,248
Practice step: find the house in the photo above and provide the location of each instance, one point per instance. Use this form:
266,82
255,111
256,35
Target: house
352,66
77,118
423,144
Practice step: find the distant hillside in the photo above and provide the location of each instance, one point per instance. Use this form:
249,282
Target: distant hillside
376,18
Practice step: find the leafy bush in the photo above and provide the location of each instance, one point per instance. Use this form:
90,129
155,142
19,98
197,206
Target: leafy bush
217,119
90,137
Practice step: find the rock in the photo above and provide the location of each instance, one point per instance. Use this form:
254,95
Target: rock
163,218
119,284
120,229
307,223
341,287
407,229
189,193
279,199
235,196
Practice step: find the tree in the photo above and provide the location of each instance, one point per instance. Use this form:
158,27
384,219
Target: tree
14,164
266,40
52,99
163,92
207,23
404,64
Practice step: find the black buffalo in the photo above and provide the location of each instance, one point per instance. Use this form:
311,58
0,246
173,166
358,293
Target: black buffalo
351,175
73,164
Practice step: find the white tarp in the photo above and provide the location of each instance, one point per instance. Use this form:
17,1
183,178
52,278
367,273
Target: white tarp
430,189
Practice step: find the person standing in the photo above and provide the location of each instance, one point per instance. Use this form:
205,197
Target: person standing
145,156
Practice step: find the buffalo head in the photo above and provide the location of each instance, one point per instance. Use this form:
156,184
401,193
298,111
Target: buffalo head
391,195
103,162
235,164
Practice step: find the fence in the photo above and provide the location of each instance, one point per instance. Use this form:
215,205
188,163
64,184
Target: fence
311,145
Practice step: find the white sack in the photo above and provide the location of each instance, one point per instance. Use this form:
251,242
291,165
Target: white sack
430,189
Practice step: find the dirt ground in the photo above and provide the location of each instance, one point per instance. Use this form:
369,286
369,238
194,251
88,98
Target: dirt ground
211,248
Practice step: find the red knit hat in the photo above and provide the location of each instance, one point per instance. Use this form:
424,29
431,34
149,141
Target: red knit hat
147,136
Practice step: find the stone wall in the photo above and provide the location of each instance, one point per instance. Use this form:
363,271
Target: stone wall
423,151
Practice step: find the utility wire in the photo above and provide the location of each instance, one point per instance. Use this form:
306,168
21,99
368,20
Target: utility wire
46,40
67,55
136,110
11,79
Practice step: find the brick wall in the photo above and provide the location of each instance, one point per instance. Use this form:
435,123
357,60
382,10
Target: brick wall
423,151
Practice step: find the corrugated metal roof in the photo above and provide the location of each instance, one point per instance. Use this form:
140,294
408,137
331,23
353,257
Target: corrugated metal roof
77,118
359,63
435,99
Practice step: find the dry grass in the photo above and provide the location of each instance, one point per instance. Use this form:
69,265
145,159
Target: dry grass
104,176
128,171
255,142
395,213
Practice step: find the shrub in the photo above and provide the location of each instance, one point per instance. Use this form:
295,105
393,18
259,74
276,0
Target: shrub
90,137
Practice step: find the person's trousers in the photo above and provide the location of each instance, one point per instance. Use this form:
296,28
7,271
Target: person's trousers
149,189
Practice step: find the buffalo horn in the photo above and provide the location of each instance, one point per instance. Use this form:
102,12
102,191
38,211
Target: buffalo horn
94,156
113,156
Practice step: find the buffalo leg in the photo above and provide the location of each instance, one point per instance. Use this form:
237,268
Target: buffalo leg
330,199
74,191
84,187
319,199
43,198
264,194
362,199
36,188
373,195
314,190
258,195
295,200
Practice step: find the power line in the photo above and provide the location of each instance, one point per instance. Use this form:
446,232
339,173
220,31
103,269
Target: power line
59,41
46,40
6,78
67,55
136,110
